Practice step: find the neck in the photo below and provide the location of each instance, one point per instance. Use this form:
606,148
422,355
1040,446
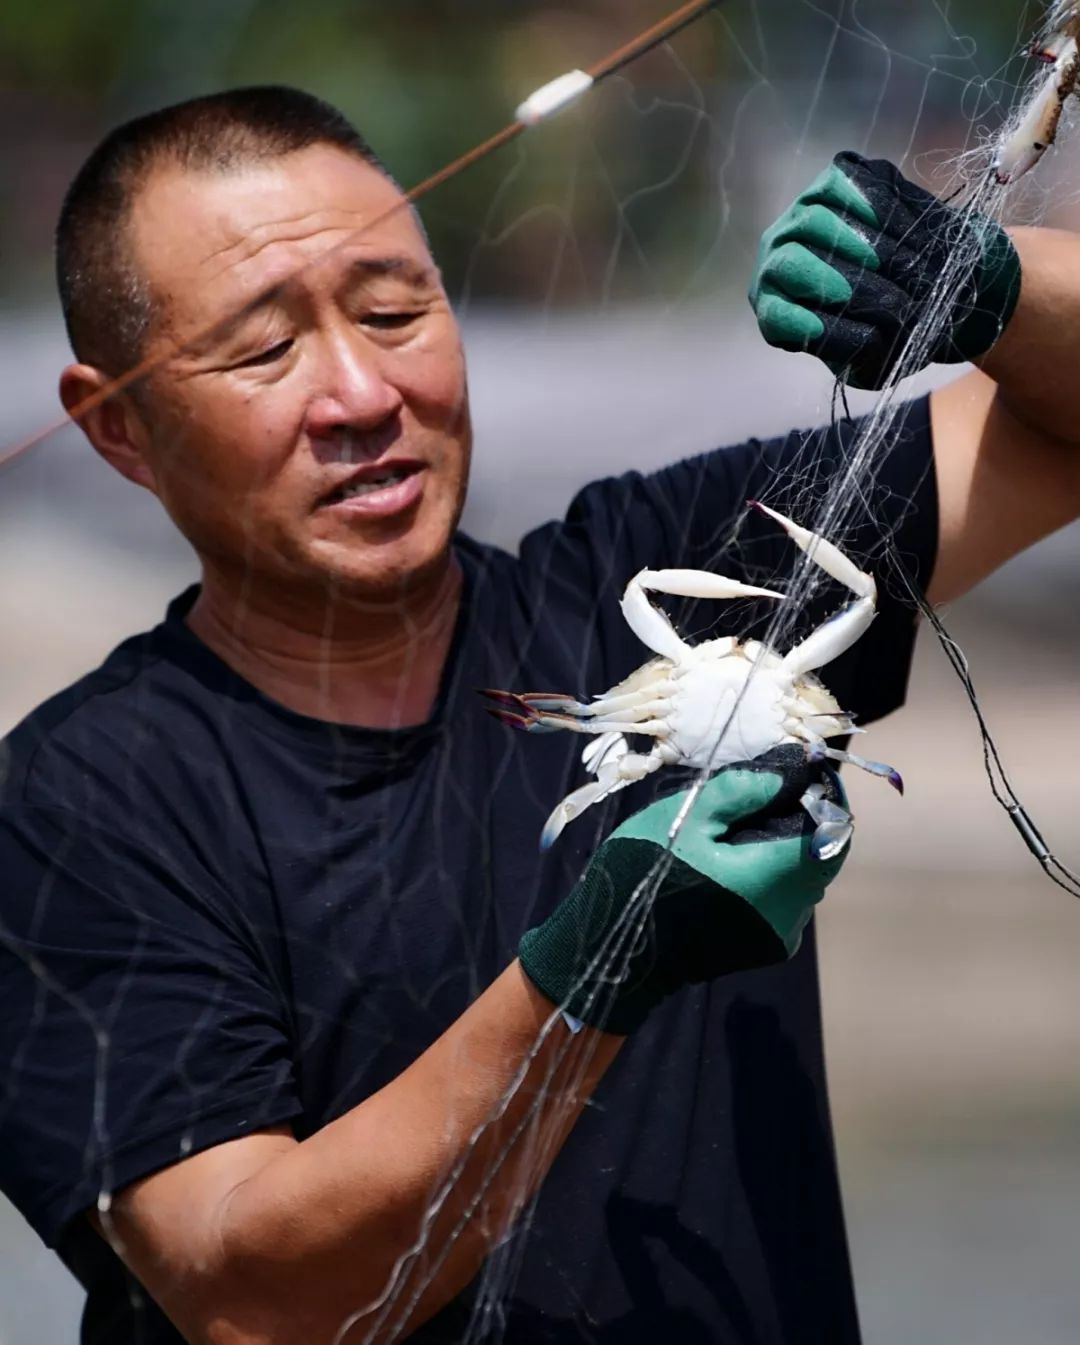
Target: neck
363,662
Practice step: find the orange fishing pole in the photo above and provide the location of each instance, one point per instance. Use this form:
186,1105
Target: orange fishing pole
545,102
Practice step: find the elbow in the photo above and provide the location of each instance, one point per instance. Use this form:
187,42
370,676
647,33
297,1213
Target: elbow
259,1300
283,1278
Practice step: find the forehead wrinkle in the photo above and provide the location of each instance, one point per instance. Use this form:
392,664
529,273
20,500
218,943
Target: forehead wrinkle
250,244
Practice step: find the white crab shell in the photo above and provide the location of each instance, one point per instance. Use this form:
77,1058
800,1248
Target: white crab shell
709,705
726,701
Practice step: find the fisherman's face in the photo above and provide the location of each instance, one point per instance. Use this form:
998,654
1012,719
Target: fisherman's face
311,427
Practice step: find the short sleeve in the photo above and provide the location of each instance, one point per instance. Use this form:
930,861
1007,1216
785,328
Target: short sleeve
138,1023
883,512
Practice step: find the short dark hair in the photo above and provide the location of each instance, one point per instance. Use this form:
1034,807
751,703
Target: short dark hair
106,302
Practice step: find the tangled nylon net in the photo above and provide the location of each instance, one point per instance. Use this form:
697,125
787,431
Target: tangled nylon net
985,178
983,182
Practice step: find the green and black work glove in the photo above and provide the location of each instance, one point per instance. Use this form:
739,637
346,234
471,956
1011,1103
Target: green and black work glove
862,255
734,892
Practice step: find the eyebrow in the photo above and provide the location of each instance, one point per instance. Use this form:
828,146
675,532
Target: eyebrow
390,266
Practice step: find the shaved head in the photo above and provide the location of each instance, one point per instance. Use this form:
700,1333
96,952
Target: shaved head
108,303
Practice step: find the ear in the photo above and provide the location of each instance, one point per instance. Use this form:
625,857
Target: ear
113,425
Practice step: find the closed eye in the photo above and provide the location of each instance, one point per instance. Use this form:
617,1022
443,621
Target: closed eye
266,356
389,321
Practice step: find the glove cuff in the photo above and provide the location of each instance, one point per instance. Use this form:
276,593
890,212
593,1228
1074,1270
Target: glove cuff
583,956
639,925
996,293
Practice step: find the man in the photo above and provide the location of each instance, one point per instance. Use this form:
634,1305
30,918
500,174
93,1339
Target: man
272,1058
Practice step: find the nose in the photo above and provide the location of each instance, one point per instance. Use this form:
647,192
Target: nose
351,389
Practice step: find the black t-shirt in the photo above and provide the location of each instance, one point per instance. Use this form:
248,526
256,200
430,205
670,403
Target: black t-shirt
217,915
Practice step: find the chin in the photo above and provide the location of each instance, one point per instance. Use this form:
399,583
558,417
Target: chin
376,559
385,568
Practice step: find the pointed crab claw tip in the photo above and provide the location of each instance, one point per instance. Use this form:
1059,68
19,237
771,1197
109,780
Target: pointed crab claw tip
553,829
508,717
897,781
499,697
785,523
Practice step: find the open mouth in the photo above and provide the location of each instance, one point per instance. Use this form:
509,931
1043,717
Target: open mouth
372,482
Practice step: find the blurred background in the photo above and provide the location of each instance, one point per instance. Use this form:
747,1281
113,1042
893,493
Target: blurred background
599,268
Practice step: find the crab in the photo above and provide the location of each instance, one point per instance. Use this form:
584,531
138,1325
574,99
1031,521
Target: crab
713,704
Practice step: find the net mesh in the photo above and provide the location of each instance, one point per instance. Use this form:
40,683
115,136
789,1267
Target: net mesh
625,228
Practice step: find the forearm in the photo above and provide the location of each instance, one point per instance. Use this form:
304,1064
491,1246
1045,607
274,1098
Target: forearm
368,1227
439,1162
1035,361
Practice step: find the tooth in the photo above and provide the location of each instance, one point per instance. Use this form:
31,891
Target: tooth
390,476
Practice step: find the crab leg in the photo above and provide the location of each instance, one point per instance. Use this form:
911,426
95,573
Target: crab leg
649,701
817,726
615,772
646,702
831,639
838,634
823,553
652,626
555,701
1048,52
835,825
632,712
819,752
600,751
700,584
519,713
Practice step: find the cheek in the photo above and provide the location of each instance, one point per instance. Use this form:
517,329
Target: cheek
222,460
431,376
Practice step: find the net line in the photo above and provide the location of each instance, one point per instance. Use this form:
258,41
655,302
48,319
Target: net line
982,196
616,61
830,520
392,1308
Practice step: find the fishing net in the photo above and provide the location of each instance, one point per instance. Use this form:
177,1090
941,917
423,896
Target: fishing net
610,243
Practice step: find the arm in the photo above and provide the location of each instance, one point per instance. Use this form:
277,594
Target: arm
1035,361
1007,438
267,1239
145,996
